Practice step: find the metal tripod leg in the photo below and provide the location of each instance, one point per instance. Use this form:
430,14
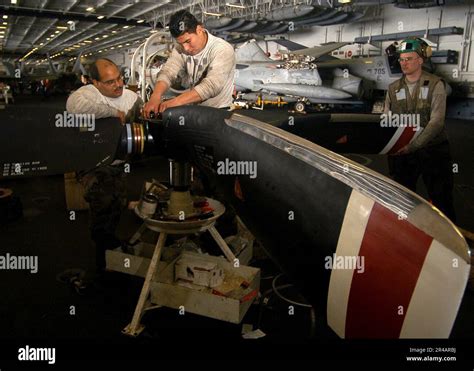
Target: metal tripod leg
135,327
136,236
222,244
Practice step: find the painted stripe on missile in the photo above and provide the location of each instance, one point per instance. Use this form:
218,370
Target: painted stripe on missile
353,227
392,141
400,138
407,136
394,251
437,296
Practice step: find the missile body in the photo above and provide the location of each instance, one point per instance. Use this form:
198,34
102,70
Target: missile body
308,91
371,255
316,211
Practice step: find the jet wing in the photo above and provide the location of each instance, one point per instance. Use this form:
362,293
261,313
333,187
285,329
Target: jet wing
319,51
290,45
244,64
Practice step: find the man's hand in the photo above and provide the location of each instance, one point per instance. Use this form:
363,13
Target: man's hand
121,116
153,105
168,104
188,97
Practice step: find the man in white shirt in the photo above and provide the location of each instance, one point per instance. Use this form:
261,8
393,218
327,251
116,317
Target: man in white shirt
105,188
204,63
106,96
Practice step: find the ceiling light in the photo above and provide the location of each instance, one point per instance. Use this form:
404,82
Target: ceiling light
90,9
235,6
57,32
13,1
125,26
100,17
5,17
140,21
70,22
213,14
114,31
61,27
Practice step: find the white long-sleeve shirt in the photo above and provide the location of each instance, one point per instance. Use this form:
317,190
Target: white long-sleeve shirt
89,100
210,72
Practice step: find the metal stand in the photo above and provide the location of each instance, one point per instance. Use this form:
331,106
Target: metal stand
134,328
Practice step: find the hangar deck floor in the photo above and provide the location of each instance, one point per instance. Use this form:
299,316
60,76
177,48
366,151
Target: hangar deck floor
36,308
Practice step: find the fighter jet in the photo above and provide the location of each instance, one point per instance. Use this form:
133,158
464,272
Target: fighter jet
300,79
325,79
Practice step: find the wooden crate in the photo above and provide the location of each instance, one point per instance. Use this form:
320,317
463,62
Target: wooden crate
74,192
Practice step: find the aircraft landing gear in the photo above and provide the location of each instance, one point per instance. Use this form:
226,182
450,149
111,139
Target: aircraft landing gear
300,107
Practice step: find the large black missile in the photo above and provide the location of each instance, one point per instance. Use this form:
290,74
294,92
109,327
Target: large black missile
56,145
355,133
65,143
33,148
380,260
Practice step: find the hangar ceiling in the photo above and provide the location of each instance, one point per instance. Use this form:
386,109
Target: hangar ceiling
70,26
32,29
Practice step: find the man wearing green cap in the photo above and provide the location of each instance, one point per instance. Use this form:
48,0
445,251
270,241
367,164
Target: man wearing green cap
422,95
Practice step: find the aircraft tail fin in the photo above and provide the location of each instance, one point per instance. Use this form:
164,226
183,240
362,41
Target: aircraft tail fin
251,52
